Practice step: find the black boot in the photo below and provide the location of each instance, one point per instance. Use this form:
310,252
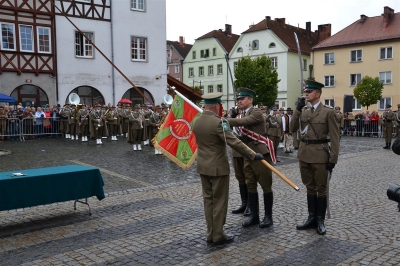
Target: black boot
243,196
268,202
387,146
312,210
247,212
254,216
321,210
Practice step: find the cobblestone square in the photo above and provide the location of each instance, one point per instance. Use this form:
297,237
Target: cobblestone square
153,212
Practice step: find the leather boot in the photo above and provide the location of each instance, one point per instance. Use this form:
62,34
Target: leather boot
247,211
268,202
312,210
387,146
243,196
254,216
321,210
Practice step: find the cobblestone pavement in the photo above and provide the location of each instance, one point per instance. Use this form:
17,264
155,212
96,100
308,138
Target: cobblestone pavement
153,212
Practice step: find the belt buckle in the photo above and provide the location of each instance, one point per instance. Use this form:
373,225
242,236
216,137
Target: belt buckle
306,142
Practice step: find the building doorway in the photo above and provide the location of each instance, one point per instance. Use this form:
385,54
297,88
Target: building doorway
88,95
30,95
133,95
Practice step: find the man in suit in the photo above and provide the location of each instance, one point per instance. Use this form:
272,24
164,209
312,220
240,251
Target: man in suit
315,123
212,135
388,118
255,172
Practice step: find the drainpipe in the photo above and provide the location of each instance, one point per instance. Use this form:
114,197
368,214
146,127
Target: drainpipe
55,70
112,54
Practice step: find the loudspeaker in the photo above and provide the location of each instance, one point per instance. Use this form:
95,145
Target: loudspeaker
348,103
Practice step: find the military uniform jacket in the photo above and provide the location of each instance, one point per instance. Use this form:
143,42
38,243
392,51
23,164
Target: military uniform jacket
274,124
83,117
254,121
388,118
212,135
339,119
324,122
136,119
112,117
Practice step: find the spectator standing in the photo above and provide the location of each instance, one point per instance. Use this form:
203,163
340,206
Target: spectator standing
374,123
46,121
13,123
359,124
27,123
55,120
3,122
40,115
351,123
367,124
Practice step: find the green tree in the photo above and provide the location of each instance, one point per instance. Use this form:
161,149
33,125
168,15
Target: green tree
259,75
368,91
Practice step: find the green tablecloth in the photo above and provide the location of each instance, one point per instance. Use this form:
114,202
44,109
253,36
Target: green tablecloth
48,185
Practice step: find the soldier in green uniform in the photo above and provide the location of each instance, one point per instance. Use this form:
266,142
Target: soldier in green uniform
112,122
212,135
72,121
387,118
64,114
315,123
154,122
135,131
255,172
397,114
83,122
339,119
96,124
274,125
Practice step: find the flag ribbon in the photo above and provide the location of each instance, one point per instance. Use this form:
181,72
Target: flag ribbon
260,138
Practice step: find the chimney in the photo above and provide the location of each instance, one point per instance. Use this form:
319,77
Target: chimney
181,42
308,29
363,18
388,14
267,18
324,32
228,29
281,20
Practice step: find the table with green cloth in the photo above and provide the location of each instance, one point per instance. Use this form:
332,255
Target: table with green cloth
49,185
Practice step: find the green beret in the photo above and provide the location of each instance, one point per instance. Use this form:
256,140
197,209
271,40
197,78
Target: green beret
243,92
313,85
210,98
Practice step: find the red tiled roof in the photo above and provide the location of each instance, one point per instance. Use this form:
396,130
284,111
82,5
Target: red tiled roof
369,29
226,40
184,89
182,50
285,33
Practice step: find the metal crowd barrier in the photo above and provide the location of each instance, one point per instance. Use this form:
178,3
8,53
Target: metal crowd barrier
10,129
362,128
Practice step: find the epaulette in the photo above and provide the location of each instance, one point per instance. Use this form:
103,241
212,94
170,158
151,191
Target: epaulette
328,106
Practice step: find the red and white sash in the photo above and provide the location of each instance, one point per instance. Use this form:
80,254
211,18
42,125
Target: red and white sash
260,138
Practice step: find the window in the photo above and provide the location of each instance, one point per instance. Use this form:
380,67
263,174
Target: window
356,56
177,69
329,81
386,53
210,70
210,88
330,102
43,39
7,36
219,69
355,79
239,50
214,51
194,55
304,64
235,65
201,71
254,45
204,53
329,58
274,61
356,104
272,45
139,47
219,88
383,102
385,77
26,38
202,89
137,5
83,48
191,72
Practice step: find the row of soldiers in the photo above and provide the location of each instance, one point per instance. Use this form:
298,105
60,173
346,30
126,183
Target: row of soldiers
137,124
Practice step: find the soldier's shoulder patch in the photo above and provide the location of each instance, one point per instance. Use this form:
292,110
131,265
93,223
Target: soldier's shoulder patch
225,126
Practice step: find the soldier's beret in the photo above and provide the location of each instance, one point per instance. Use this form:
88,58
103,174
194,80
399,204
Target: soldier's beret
243,92
137,106
388,106
313,85
337,108
396,146
210,98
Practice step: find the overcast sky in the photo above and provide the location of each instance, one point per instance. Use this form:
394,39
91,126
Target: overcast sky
194,18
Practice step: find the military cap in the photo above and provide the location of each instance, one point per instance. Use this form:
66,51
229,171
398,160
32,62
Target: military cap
210,98
337,108
113,106
67,104
103,106
281,109
97,105
137,106
396,146
243,92
73,105
162,104
388,106
157,106
313,85
144,105
263,108
289,109
274,109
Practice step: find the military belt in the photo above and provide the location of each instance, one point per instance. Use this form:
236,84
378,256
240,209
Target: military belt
316,141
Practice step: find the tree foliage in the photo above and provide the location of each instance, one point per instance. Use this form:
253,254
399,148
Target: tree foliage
368,91
259,75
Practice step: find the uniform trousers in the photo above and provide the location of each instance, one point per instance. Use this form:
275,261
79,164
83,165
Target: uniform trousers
288,139
387,132
65,126
98,131
113,129
215,195
314,177
72,128
255,171
238,166
137,136
84,130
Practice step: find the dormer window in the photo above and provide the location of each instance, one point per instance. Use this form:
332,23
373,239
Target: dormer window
272,45
254,45
240,49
